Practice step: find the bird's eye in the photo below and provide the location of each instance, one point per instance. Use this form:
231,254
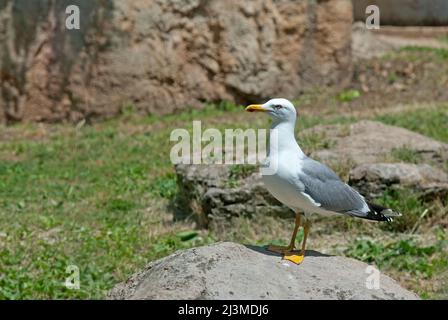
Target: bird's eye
277,107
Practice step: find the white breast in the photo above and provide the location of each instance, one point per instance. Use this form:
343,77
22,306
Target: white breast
292,197
283,188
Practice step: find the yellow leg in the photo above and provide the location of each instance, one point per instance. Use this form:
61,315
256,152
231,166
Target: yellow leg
292,255
291,246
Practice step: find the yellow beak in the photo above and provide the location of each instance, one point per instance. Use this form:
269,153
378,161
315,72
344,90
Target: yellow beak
256,108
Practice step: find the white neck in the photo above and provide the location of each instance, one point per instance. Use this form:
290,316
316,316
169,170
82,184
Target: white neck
282,138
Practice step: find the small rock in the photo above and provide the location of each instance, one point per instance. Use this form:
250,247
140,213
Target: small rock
372,179
234,271
371,142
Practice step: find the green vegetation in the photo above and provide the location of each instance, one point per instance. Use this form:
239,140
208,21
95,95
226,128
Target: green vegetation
349,95
421,262
165,186
238,172
308,121
402,255
441,53
432,122
242,171
406,154
408,203
392,77
314,141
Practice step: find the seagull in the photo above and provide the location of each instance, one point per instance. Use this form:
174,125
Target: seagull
305,185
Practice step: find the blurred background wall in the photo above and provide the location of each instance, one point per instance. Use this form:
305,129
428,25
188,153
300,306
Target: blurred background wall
164,56
406,12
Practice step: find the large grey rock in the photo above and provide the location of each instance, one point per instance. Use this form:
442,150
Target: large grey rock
372,179
372,142
163,56
233,271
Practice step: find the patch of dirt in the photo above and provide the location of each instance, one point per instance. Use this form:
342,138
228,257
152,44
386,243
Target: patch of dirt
367,44
406,77
393,66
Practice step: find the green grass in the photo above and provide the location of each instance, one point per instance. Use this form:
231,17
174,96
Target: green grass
405,154
238,172
441,53
408,203
74,199
242,171
432,122
165,186
403,255
422,263
348,95
392,77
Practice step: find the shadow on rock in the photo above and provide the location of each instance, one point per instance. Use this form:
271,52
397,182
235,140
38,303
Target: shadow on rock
263,250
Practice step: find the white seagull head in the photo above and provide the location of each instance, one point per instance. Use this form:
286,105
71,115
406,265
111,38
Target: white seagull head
281,110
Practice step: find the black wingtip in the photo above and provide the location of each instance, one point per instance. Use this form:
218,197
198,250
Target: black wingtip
380,213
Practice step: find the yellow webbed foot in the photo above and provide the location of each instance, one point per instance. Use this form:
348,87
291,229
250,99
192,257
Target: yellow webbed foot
294,257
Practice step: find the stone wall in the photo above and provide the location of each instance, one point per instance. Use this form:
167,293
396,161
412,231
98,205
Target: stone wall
406,12
164,56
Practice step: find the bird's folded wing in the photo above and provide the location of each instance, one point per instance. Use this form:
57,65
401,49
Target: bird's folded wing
325,189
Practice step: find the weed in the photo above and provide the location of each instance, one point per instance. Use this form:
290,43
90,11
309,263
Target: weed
441,53
406,154
432,123
405,201
402,255
349,95
165,186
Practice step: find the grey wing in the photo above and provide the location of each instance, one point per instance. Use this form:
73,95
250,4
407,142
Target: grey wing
325,188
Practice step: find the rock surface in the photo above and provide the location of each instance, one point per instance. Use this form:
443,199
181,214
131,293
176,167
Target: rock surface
372,142
211,192
162,56
372,179
233,271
